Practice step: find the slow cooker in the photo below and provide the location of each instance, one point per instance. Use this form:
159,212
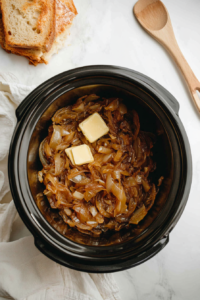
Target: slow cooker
158,112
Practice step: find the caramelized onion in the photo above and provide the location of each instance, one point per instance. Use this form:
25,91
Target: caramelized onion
91,190
160,180
47,149
136,123
41,152
117,174
64,130
40,176
146,185
74,173
109,183
82,213
62,146
68,211
56,137
138,215
78,178
118,192
78,195
100,208
79,108
92,223
109,193
122,108
59,164
151,198
93,210
104,150
68,138
131,181
91,97
118,155
107,158
64,198
63,114
113,105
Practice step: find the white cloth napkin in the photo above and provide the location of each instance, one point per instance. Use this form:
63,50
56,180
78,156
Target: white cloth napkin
25,273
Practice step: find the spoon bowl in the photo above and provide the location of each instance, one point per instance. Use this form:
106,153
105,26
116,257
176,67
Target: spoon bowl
153,16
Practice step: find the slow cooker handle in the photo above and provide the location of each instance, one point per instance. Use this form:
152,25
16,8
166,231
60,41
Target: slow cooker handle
26,103
172,102
157,247
31,100
170,99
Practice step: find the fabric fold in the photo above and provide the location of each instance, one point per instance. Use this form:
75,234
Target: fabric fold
25,273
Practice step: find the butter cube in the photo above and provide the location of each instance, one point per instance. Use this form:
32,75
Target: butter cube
69,154
94,127
80,155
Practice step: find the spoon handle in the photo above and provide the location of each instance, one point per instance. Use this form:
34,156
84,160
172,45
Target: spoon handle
167,38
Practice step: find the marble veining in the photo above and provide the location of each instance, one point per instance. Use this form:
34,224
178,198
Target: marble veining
105,32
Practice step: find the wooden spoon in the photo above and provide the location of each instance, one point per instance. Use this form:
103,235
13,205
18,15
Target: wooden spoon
154,18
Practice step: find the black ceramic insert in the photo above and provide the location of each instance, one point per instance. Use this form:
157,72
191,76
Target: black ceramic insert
158,112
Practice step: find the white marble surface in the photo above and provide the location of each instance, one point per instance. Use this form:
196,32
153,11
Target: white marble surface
105,32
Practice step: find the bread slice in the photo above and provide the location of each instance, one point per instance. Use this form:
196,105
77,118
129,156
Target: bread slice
65,13
29,23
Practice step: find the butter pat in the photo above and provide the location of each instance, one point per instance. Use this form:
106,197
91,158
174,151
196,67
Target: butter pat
94,127
80,155
68,151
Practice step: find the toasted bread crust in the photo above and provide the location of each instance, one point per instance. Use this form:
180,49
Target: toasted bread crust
65,13
2,40
71,6
46,44
52,30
